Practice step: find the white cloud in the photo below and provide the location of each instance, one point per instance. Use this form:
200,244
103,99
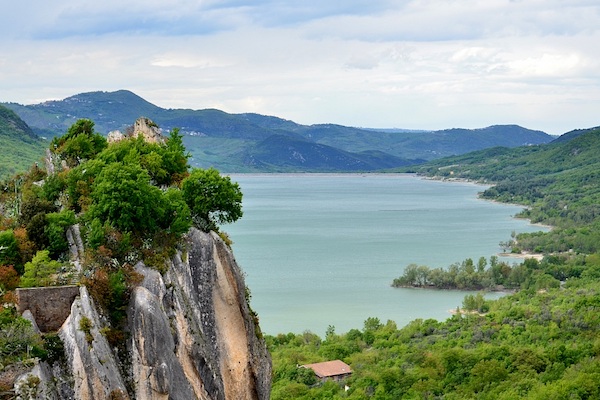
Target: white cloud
547,65
415,64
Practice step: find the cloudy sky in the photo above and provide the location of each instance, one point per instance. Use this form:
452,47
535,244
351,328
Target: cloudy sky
418,64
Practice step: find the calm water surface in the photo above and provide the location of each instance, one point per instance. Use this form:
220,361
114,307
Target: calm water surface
322,249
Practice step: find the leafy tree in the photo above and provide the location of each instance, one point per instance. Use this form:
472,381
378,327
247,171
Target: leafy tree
80,143
9,279
36,231
165,163
57,224
175,156
486,373
9,249
177,217
53,186
372,324
481,264
213,199
123,197
34,205
475,303
40,270
79,184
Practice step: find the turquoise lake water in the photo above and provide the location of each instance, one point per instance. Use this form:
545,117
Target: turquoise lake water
323,249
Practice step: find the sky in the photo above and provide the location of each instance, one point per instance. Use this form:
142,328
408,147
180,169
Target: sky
413,64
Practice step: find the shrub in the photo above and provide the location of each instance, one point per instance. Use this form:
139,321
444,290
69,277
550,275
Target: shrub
56,228
55,348
213,199
18,340
9,249
85,325
111,287
9,278
40,271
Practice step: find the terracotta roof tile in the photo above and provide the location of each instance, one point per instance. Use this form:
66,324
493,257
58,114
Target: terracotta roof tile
329,368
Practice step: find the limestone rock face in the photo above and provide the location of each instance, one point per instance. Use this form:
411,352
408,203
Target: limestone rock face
148,129
143,126
94,367
114,136
191,335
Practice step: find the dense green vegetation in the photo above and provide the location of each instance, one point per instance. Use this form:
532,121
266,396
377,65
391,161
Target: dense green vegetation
21,148
543,342
132,200
558,182
527,346
499,276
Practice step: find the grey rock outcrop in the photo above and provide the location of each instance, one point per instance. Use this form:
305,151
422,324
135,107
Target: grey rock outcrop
114,136
144,127
191,335
92,364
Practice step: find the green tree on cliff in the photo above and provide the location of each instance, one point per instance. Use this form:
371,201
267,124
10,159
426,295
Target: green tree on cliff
80,143
213,199
123,196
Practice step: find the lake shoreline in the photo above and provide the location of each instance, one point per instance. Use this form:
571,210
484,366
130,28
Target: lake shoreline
433,288
318,251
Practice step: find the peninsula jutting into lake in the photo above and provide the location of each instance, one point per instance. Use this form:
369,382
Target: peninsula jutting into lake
322,249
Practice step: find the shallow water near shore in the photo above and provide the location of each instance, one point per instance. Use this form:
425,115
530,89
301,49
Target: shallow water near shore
323,249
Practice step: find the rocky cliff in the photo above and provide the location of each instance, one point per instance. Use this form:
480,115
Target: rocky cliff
190,335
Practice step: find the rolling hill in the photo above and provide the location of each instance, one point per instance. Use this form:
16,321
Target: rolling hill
20,146
559,182
257,143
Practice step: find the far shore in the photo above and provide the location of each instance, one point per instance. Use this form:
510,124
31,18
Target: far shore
499,289
537,256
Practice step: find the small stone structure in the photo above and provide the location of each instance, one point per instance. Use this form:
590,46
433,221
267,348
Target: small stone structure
143,126
50,306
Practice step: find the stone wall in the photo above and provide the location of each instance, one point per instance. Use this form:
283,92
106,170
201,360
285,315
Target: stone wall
50,306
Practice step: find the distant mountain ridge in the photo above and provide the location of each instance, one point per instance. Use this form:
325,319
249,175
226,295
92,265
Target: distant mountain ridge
251,142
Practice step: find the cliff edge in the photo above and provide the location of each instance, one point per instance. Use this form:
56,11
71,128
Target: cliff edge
190,335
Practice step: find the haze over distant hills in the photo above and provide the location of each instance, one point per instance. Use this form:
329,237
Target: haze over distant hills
257,143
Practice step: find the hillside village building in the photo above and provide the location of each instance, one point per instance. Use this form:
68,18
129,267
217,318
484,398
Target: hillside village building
335,370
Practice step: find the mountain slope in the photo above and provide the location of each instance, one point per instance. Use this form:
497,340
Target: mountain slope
427,145
573,134
282,153
559,182
225,141
20,146
555,161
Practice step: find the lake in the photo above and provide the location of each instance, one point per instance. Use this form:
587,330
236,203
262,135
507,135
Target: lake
323,249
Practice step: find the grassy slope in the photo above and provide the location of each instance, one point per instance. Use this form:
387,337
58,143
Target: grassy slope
19,146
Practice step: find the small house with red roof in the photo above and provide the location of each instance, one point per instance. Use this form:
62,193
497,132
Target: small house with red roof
335,370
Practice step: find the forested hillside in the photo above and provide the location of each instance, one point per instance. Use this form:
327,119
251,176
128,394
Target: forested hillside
558,182
541,343
258,143
20,148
